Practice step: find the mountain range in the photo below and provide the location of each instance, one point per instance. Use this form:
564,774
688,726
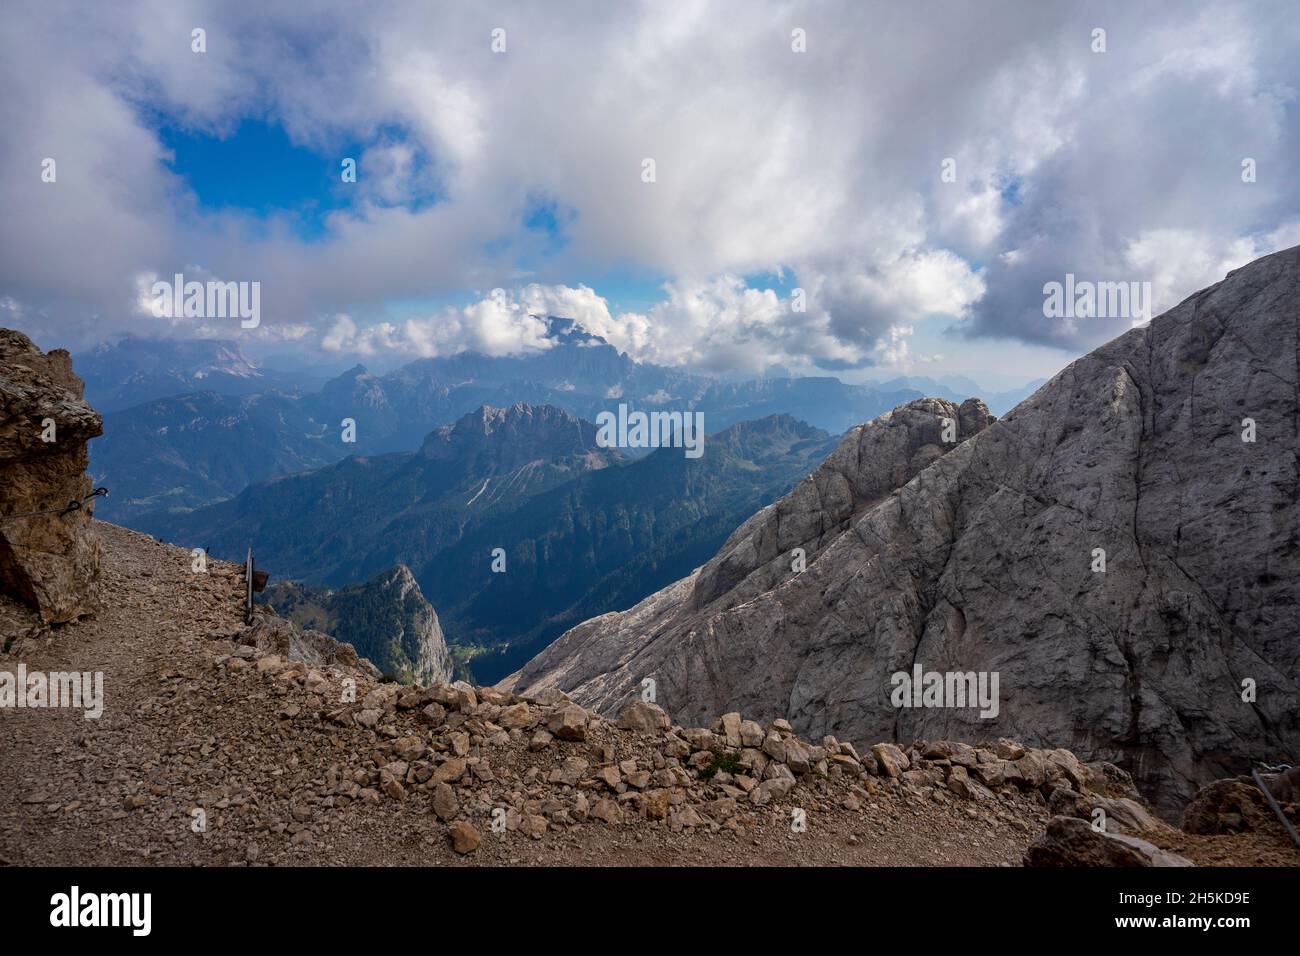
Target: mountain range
207,421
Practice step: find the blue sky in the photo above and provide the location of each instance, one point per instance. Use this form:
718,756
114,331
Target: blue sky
257,169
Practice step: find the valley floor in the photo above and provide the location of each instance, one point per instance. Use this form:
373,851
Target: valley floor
182,731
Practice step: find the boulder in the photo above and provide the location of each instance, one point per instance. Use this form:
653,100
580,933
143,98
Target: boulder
731,729
1229,806
643,717
568,723
464,838
1070,841
891,759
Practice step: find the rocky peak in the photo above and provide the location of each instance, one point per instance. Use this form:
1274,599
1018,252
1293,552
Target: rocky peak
870,462
387,619
49,551
514,436
1121,549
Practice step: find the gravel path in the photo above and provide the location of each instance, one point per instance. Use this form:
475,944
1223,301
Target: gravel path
183,730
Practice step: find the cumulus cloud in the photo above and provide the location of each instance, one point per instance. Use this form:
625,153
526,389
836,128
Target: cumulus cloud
822,167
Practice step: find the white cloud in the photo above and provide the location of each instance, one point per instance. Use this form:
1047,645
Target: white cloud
823,166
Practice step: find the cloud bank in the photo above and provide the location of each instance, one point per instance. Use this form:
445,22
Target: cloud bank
822,170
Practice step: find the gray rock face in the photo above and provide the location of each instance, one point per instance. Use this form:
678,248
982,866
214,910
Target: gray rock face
49,561
982,559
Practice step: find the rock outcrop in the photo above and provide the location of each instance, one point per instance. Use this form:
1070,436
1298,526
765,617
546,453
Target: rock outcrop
277,636
49,551
387,619
1122,550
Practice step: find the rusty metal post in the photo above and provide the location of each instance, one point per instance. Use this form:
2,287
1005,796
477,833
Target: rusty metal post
248,588
1259,782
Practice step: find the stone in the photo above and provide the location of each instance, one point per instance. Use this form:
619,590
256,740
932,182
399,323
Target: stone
685,818
1228,806
383,697
731,730
769,790
391,786
1009,749
1062,764
751,733
1033,768
654,804
960,783
639,779
433,715
516,717
992,775
465,698
643,717
607,811
444,801
409,748
568,723
546,697
449,771
891,759
774,747
799,757
464,838
610,777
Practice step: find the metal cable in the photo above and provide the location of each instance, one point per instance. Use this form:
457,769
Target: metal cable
74,505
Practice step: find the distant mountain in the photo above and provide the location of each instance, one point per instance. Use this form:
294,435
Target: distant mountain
366,513
185,452
386,619
134,370
582,528
822,401
957,388
605,540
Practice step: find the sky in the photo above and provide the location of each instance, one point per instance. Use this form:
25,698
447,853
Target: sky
859,189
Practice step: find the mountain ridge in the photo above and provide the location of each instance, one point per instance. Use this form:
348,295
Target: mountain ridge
986,560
